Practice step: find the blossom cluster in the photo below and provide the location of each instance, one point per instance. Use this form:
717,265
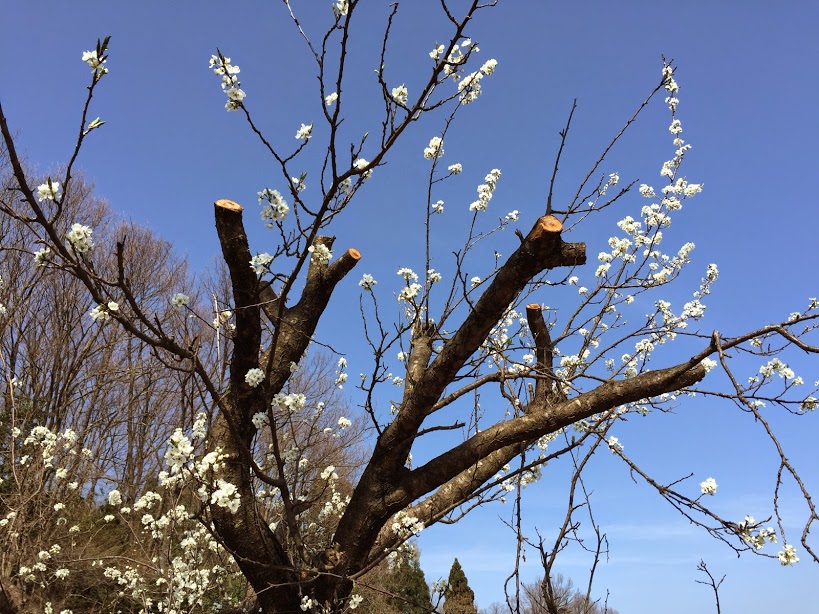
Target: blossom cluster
400,94
749,532
787,556
367,282
230,82
486,190
411,287
96,59
304,132
321,254
361,164
50,190
180,300
80,240
709,487
776,366
276,208
289,402
404,525
103,312
260,263
254,377
435,149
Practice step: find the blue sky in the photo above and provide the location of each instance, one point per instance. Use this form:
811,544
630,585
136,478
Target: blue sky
748,91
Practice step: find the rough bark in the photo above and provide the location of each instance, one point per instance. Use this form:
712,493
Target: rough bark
260,555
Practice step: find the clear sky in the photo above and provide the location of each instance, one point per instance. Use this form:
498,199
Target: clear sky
748,106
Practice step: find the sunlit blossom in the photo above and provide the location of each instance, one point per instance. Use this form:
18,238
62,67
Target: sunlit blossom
50,190
400,94
305,132
709,487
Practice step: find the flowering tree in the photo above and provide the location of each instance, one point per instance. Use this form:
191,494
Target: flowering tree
559,378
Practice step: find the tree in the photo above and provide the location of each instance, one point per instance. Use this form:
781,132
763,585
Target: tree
560,380
558,595
459,597
408,584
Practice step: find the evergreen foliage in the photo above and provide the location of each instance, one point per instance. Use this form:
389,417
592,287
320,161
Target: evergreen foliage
410,586
460,599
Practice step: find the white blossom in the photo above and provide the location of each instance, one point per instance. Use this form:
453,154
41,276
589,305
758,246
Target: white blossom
276,209
227,496
100,313
788,556
409,292
179,299
367,282
355,601
489,67
298,183
114,498
230,82
400,94
709,487
79,239
435,149
408,274
361,164
304,132
341,8
469,87
260,262
321,253
486,190
41,256
614,444
93,60
48,191
179,451
254,377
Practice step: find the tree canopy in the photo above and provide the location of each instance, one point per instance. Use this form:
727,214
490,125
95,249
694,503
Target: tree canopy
199,419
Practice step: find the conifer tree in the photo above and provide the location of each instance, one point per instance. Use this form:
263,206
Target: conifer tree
460,599
410,586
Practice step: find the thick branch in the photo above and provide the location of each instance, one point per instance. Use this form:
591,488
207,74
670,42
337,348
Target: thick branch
298,323
545,384
382,488
258,553
542,249
532,425
236,252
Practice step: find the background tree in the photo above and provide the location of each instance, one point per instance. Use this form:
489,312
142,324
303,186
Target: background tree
459,597
408,584
397,585
90,409
558,595
562,379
